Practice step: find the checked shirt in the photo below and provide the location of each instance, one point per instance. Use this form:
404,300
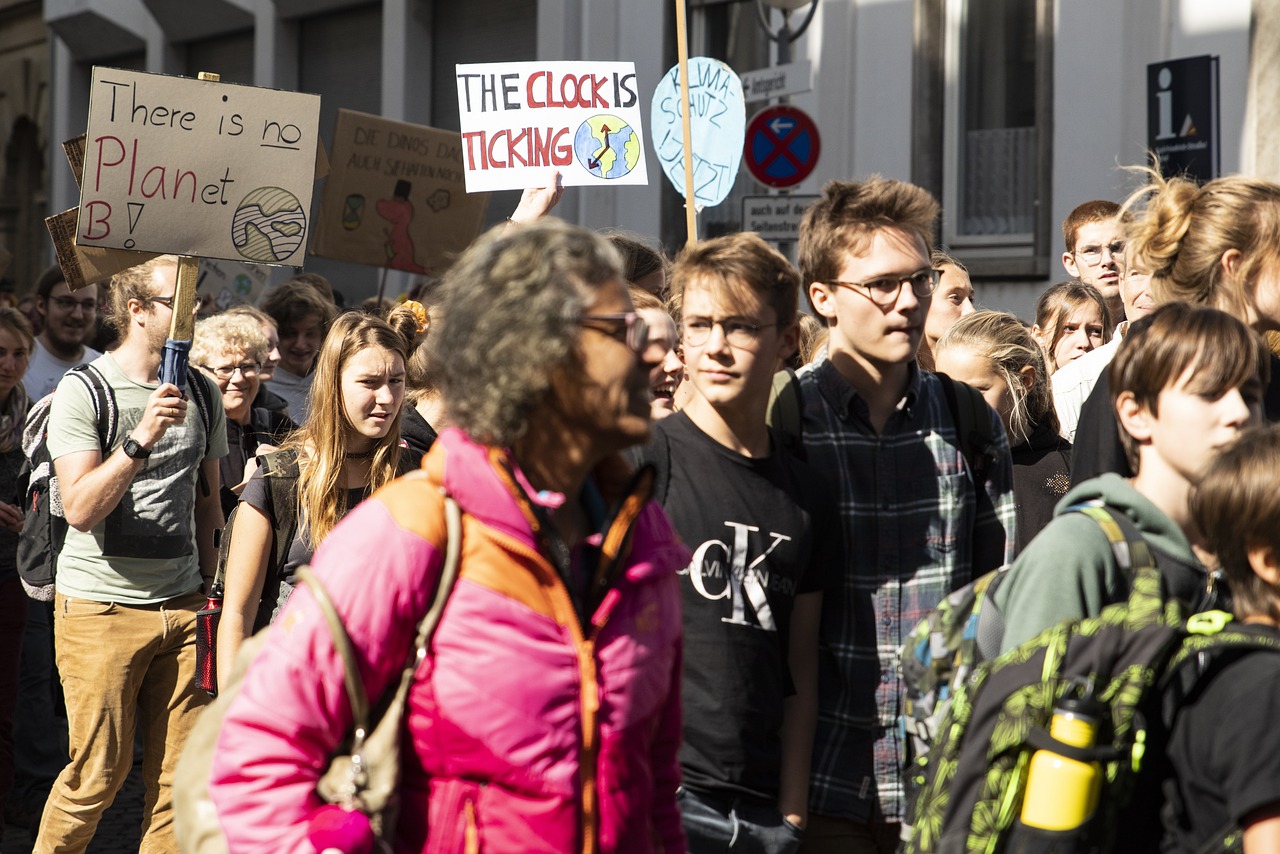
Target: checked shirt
914,530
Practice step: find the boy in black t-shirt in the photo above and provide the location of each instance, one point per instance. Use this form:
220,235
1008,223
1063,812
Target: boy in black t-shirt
752,594
1223,755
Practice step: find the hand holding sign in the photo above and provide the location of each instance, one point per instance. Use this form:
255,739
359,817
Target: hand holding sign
719,117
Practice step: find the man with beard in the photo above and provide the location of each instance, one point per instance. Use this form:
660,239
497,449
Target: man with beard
68,320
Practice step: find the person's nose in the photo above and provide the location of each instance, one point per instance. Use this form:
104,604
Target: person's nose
1236,411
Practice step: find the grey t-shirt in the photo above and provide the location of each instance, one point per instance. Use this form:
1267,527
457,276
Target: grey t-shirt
144,551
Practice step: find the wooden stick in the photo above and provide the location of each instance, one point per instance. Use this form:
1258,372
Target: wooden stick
682,45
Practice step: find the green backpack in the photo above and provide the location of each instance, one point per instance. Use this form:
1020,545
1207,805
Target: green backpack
966,628
969,786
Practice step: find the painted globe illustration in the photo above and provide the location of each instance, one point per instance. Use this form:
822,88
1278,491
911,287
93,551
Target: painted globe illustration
269,225
607,146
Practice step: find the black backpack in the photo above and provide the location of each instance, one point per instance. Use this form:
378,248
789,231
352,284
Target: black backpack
44,526
280,471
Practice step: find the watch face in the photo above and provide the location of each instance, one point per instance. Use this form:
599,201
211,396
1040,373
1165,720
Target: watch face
133,449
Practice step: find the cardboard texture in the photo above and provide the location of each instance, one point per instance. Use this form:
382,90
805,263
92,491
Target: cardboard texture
395,197
523,121
196,167
86,265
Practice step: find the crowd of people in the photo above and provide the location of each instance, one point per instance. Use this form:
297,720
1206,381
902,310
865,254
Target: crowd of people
699,521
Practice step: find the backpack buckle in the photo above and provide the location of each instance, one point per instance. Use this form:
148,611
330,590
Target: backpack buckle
1208,622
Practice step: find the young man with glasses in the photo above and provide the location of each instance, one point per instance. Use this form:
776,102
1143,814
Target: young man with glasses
141,517
67,321
765,545
918,521
1094,236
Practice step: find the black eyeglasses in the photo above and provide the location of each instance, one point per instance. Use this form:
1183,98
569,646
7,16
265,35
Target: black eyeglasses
883,291
1093,252
249,370
633,331
68,304
739,333
165,301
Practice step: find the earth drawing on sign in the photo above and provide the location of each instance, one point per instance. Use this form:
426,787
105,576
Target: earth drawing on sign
269,225
607,146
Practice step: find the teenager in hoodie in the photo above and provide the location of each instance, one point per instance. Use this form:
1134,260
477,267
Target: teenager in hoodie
1185,382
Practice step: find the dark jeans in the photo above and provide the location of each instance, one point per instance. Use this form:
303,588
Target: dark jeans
40,725
714,824
13,620
828,835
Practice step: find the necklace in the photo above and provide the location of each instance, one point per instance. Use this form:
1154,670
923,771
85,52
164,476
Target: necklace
363,455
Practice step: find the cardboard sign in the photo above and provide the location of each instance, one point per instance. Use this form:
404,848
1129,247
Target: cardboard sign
395,197
521,121
221,284
195,167
87,265
718,115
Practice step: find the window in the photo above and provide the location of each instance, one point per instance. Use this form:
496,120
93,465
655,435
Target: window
985,69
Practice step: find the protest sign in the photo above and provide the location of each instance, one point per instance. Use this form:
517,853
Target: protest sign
197,167
718,117
220,284
395,197
521,121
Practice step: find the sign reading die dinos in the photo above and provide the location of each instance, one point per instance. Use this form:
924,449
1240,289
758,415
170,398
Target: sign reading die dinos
195,167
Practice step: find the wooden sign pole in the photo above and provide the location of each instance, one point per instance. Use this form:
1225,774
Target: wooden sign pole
682,46
182,325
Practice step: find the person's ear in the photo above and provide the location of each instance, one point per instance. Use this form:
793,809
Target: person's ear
1231,262
1265,564
1134,418
1069,262
1027,376
823,298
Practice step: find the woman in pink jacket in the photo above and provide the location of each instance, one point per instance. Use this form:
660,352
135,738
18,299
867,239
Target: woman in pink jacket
547,716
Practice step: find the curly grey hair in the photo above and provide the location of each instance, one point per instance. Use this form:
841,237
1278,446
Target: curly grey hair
511,308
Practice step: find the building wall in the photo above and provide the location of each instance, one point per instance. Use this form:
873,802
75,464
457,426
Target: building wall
861,51
24,144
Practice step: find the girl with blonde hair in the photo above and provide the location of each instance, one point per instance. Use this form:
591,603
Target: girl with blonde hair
347,448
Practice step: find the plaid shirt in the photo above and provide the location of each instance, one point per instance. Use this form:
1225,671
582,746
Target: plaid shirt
913,532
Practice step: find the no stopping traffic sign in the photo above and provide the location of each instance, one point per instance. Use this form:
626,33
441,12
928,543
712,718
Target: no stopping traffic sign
782,146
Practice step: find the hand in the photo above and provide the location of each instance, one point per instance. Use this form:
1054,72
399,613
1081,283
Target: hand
10,517
537,202
165,408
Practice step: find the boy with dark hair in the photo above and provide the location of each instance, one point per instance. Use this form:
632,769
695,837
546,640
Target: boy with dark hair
1184,384
764,547
1230,775
1093,234
920,515
302,316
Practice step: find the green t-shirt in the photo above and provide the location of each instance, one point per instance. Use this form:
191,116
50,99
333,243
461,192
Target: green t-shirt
144,551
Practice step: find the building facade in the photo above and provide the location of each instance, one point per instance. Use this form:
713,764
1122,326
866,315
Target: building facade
1010,111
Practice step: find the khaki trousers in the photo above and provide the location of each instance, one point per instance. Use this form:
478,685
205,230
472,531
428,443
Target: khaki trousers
122,666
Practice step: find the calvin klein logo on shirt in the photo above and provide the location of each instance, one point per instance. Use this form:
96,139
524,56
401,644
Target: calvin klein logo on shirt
721,571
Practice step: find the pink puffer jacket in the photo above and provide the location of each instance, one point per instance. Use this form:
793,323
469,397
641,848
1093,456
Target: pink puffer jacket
525,732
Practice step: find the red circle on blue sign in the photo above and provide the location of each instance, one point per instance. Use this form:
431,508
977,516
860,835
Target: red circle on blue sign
782,146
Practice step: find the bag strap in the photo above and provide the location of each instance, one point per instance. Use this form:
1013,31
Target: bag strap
105,411
1134,558
200,392
972,420
426,628
785,413
280,471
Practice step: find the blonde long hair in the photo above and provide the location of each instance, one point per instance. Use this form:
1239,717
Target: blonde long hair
321,442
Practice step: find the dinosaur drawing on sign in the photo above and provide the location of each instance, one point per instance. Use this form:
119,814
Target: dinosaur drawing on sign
398,211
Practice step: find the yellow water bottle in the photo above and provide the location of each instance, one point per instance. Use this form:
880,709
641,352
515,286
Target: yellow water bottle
1062,792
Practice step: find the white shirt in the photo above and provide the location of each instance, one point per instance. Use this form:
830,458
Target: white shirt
46,369
1073,382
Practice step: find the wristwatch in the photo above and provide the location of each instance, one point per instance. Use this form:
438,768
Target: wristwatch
133,450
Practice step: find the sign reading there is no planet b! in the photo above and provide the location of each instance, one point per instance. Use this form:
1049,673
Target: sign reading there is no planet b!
196,167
